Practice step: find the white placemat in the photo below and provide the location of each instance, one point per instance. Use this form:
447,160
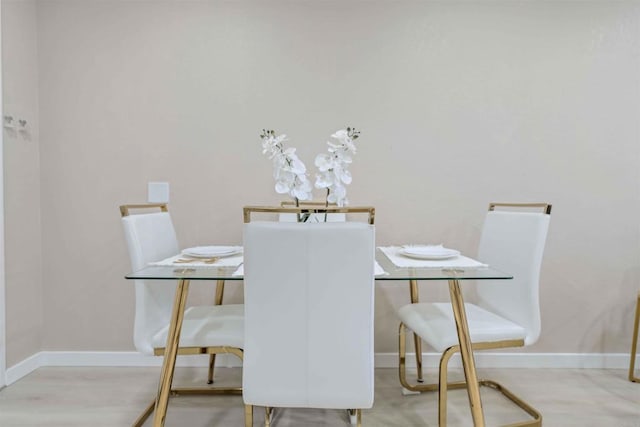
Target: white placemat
230,261
394,255
377,270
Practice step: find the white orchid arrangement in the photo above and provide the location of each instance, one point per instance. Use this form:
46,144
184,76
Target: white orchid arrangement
290,172
334,174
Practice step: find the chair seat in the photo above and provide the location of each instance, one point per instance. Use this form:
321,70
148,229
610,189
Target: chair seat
208,326
435,324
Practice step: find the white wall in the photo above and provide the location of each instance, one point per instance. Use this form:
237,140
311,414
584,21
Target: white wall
23,237
459,103
3,341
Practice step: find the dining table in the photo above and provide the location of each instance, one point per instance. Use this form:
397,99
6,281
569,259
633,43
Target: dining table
386,272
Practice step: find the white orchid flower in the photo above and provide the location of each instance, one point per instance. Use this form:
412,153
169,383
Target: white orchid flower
324,162
345,176
302,189
289,171
334,174
340,134
296,166
282,187
343,157
325,179
338,195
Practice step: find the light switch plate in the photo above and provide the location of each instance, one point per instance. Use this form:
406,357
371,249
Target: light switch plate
158,192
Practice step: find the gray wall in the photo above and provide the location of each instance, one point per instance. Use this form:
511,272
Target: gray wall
459,104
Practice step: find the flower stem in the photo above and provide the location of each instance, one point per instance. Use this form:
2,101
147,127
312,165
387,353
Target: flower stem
326,204
298,213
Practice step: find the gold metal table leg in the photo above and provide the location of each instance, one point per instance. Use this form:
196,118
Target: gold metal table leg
634,345
217,301
466,353
171,352
248,415
417,341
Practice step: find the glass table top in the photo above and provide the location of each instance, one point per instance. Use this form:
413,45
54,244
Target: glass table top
153,272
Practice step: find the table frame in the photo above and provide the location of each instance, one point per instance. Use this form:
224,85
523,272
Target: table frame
413,275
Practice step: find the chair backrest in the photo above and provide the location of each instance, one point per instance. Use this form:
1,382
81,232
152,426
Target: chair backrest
314,217
150,237
513,241
308,294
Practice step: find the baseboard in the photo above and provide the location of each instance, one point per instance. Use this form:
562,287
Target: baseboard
107,358
24,368
382,360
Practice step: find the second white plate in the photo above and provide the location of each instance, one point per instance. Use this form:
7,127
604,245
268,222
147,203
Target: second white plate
211,251
429,252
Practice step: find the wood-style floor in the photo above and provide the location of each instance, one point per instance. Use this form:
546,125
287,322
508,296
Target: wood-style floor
115,396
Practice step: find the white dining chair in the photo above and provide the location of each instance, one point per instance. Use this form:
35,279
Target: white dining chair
309,293
507,313
634,344
211,329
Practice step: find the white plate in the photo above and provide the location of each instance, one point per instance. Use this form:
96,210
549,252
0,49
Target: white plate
211,251
429,252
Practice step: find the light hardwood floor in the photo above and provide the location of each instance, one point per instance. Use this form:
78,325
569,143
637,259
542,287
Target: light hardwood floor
115,396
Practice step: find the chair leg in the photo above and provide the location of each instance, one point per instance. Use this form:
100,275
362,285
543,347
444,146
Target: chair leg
634,345
268,415
537,417
189,391
248,415
417,343
442,396
146,414
443,385
212,363
355,417
402,365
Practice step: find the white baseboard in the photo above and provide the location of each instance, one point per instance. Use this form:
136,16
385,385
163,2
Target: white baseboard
107,358
22,369
382,360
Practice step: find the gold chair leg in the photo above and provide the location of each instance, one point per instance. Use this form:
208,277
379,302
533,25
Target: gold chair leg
189,391
145,415
417,341
248,415
402,365
537,417
417,344
443,385
634,346
268,413
355,417
212,363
